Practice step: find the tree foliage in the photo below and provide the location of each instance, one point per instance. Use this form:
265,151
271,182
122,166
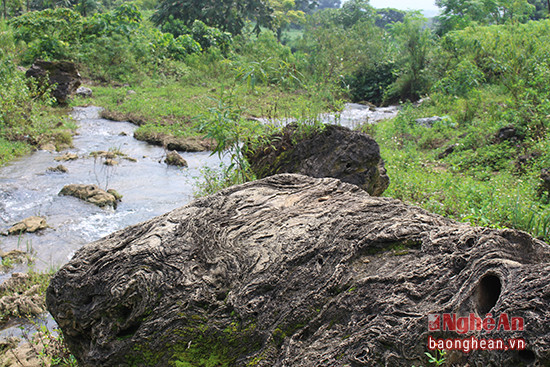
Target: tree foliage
227,15
388,16
284,14
457,14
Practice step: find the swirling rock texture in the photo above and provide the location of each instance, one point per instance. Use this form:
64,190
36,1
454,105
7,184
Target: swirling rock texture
298,271
335,151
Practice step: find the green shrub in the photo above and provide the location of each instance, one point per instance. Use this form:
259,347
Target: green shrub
369,82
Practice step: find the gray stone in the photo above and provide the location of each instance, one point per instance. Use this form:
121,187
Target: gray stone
174,159
429,121
66,157
84,92
336,151
62,74
298,271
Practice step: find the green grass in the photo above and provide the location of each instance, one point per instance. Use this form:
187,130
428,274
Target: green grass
176,101
481,181
12,149
174,107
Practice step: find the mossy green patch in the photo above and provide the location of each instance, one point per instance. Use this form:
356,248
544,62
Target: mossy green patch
201,344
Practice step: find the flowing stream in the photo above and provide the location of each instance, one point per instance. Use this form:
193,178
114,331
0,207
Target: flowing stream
149,187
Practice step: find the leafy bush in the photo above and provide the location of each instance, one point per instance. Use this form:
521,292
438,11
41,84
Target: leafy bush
24,120
369,82
51,34
460,80
210,37
117,45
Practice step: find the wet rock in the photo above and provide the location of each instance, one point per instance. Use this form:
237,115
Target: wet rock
180,144
109,157
174,159
429,121
91,194
297,271
66,157
336,151
84,92
120,116
50,147
30,225
187,144
60,169
62,74
103,154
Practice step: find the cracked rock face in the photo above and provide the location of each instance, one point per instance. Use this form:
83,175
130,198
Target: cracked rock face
298,271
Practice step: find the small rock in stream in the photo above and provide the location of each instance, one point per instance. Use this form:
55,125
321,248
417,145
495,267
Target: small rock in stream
60,169
30,225
174,159
66,157
91,194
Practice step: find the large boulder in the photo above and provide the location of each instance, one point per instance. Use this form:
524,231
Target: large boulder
63,74
335,151
297,271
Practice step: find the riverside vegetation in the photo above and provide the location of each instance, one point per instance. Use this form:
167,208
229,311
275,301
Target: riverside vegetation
195,74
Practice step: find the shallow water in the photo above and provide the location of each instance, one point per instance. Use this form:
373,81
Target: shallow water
352,116
149,187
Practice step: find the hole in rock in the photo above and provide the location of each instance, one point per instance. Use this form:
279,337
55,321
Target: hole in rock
129,331
527,356
488,292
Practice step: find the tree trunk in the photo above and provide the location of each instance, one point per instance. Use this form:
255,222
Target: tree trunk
548,1
5,9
